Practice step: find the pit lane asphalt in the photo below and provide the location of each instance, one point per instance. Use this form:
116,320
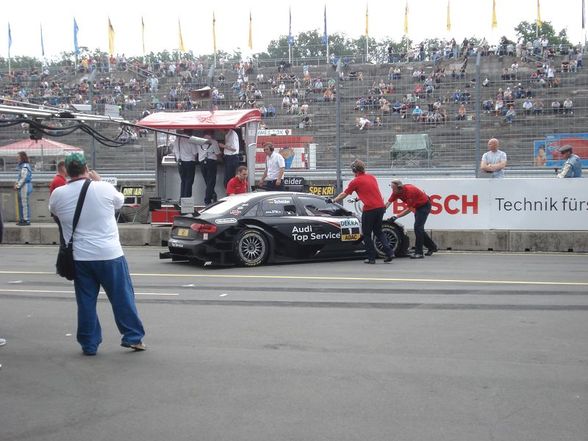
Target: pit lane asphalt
485,346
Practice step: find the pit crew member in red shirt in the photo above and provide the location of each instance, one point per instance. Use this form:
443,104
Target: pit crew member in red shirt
368,192
238,183
418,202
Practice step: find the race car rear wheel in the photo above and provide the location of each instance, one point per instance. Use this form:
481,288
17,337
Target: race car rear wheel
252,248
396,238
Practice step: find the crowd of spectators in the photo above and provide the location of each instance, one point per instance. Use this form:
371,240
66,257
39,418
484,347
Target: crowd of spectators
436,96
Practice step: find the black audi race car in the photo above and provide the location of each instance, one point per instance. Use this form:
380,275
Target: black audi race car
273,227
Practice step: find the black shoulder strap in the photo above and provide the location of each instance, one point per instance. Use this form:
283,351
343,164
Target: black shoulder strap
79,206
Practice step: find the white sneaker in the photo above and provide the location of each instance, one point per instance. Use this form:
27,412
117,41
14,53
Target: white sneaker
2,341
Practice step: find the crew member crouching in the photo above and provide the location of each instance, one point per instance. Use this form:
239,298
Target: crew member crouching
417,201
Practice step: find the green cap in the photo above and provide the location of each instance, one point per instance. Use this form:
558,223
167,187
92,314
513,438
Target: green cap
75,157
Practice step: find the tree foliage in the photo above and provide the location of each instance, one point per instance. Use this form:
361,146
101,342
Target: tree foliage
528,32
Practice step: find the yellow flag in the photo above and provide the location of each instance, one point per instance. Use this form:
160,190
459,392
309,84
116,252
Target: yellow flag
110,38
448,16
539,22
213,33
181,46
250,32
143,34
406,17
494,21
367,33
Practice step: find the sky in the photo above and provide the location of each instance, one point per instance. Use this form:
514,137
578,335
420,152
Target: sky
426,19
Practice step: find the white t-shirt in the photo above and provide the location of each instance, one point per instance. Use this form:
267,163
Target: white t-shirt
232,141
273,164
96,236
496,157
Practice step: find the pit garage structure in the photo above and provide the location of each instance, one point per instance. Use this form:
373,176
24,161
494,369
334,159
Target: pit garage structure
244,122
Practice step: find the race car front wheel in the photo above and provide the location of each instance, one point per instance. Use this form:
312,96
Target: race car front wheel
252,248
396,238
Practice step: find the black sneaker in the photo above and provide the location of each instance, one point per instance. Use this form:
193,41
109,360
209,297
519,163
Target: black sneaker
417,256
388,259
370,261
431,251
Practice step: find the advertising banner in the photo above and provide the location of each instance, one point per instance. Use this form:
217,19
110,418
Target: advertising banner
497,204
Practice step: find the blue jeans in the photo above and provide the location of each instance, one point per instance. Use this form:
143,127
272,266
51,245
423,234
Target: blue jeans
114,277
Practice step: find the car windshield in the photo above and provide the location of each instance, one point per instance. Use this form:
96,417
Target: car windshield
225,204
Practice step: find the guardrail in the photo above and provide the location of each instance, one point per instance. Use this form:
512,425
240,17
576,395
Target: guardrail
322,174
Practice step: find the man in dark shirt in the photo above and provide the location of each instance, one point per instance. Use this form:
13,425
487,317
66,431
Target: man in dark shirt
368,192
417,201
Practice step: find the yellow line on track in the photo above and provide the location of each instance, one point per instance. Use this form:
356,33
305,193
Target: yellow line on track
332,278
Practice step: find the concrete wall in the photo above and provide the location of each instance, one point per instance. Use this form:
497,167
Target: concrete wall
492,240
40,199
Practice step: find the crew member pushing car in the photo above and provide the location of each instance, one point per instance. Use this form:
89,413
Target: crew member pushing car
417,201
368,192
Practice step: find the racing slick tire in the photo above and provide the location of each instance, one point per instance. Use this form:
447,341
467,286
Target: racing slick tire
251,248
397,239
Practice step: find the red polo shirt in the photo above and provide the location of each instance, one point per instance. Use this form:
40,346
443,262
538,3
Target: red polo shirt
57,181
412,196
236,186
368,191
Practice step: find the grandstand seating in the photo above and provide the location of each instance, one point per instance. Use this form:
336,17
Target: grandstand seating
453,139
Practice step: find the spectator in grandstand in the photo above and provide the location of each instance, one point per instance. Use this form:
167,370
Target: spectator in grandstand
305,122
528,106
281,88
556,106
488,105
384,106
60,177
286,103
304,108
417,113
238,183
363,123
271,111
510,114
493,161
461,112
538,106
293,105
568,106
498,106
573,166
418,202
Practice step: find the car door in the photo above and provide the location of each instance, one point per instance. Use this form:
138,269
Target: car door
330,225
